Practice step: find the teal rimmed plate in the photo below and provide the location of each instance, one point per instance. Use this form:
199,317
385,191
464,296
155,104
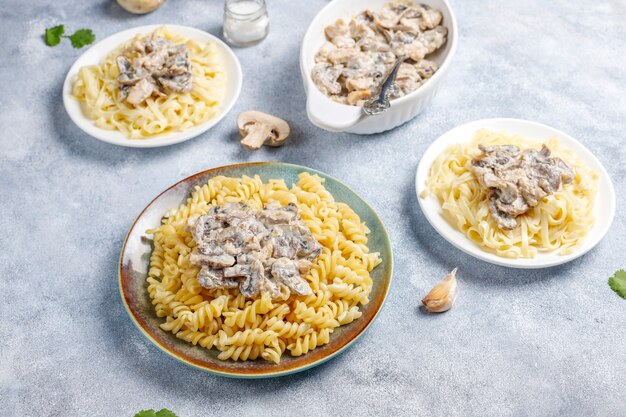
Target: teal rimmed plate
136,253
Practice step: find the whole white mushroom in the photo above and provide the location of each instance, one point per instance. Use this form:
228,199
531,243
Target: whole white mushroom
140,6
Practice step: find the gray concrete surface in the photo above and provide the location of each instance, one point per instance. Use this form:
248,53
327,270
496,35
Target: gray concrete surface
518,343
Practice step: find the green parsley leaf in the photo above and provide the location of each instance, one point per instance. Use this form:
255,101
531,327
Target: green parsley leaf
146,413
82,37
53,35
151,413
165,413
618,283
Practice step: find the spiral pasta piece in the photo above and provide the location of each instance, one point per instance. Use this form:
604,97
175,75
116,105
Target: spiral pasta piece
247,329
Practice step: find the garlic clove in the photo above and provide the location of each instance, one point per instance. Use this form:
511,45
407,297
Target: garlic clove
443,295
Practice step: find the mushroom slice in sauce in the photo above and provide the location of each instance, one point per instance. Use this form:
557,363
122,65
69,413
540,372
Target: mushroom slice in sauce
349,66
141,91
258,250
518,180
153,66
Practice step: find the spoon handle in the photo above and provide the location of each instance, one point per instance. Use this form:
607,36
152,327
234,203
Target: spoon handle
380,102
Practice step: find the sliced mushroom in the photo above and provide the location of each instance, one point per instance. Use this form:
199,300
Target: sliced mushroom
260,129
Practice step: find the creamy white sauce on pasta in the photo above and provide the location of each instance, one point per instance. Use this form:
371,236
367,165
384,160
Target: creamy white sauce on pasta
245,329
97,89
560,222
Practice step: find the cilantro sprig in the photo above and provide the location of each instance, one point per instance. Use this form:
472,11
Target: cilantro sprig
78,39
151,413
618,283
53,35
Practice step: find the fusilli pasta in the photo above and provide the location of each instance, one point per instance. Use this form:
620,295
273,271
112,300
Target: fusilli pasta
245,329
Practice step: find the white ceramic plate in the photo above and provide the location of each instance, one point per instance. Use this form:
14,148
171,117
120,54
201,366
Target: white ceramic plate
96,54
604,204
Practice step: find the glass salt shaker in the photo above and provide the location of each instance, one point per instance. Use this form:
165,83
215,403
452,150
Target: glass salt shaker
246,22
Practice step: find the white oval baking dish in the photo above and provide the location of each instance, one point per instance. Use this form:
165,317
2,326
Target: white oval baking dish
335,117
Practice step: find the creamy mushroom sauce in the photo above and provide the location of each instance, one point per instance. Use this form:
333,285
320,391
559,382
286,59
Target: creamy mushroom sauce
518,180
258,251
153,66
351,64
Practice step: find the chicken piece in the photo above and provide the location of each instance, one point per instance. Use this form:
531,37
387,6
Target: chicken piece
344,42
340,28
286,271
433,39
357,98
140,91
342,55
356,84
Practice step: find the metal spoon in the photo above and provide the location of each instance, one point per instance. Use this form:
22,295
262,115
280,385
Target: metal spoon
380,102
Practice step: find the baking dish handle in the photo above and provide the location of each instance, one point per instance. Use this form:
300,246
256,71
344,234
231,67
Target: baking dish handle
329,115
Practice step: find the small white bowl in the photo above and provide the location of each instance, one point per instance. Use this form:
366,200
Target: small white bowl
96,54
604,205
336,117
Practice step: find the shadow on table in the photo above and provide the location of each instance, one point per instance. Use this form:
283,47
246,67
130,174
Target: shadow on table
80,144
302,148
128,349
470,268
